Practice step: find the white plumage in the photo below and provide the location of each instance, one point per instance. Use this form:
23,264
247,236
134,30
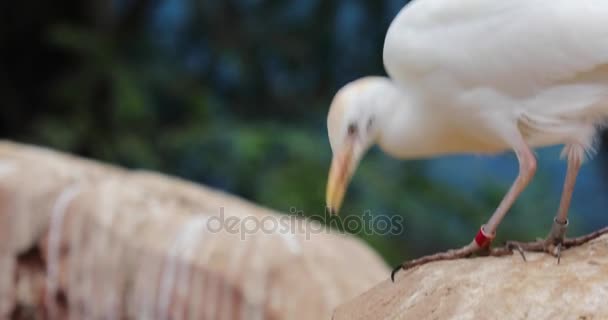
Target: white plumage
481,76
540,63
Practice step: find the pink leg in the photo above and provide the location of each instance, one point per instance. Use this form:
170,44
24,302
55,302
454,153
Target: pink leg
527,169
574,165
555,241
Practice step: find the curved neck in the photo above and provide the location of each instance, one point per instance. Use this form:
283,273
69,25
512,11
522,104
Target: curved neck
409,129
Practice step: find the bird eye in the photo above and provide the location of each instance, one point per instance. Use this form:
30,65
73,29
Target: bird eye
352,129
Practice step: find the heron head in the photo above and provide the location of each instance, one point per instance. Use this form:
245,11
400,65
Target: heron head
352,129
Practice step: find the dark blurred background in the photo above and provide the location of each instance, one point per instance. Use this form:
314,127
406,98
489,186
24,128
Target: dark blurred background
234,93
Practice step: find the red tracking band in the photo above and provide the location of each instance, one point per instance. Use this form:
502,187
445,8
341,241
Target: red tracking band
482,239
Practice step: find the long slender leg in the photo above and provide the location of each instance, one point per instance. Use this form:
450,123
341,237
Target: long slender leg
555,241
574,166
527,169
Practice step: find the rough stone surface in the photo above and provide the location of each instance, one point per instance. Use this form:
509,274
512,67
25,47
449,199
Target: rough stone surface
494,288
82,240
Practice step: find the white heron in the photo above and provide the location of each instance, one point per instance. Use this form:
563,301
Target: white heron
482,77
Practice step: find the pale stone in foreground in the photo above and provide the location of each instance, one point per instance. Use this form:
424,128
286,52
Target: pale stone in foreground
90,241
494,288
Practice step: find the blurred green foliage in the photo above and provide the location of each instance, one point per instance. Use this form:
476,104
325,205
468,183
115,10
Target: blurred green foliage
232,94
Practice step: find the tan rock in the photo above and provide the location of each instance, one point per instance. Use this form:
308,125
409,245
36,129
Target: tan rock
494,288
92,241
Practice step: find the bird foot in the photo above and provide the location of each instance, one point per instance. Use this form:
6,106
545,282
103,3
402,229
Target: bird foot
470,250
479,246
555,243
453,254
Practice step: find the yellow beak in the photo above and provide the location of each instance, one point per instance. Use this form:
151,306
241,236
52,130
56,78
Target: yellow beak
339,176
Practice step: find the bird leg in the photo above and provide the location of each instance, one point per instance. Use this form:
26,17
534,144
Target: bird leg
481,244
555,242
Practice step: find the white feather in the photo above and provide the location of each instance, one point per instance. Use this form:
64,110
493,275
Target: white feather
539,65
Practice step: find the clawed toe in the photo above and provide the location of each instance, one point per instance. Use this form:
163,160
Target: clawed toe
510,245
558,252
395,270
463,252
552,245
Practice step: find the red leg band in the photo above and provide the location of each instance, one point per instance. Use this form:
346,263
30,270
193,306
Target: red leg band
482,239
